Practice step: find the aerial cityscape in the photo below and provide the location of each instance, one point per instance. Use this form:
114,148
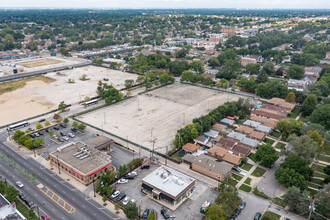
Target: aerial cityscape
164,109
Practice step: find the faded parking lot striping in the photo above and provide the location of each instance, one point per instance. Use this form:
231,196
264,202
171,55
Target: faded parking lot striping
58,200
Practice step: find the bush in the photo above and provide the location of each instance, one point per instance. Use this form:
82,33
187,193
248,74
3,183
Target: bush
258,193
39,126
152,216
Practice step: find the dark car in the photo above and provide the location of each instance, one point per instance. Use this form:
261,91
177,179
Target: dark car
48,130
32,135
257,216
236,169
232,217
22,196
30,203
242,205
63,125
145,213
61,139
237,212
41,133
145,166
120,197
105,79
74,129
31,129
164,213
129,177
56,127
62,133
42,120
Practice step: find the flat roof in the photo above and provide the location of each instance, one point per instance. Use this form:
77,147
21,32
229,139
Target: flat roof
168,180
81,162
98,140
3,201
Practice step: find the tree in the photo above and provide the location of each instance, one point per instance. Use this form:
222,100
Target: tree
229,200
197,66
253,68
104,198
38,142
32,214
315,136
75,124
87,98
84,77
223,83
321,115
62,106
164,78
28,143
291,97
267,155
296,72
311,100
268,67
97,61
272,88
65,120
47,123
289,177
17,135
303,146
81,126
177,67
322,201
216,212
319,88
289,126
131,210
129,83
187,76
213,62
11,193
262,77
297,200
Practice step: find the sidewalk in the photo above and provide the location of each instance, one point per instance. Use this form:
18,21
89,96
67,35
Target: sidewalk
247,175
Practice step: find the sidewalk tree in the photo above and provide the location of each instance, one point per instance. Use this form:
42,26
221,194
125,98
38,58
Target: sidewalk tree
32,214
22,139
39,126
28,143
11,193
38,142
216,212
81,126
267,155
75,124
131,210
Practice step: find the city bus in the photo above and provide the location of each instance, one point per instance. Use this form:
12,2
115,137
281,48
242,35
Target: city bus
19,125
92,102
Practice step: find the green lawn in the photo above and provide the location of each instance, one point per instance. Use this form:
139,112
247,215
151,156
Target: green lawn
237,177
295,112
152,216
316,186
317,167
279,201
270,216
258,172
275,134
269,141
176,156
324,158
253,157
232,182
245,188
322,175
317,181
246,166
23,209
248,180
280,145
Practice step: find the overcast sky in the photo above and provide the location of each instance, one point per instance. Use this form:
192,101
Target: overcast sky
299,4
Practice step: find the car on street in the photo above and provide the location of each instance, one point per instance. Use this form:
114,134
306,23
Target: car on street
65,138
22,196
257,216
71,135
45,217
126,200
242,205
120,197
164,213
121,181
19,184
236,169
31,129
115,194
30,203
145,213
145,166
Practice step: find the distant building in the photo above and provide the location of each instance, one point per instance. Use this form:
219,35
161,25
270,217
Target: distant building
83,162
168,186
247,60
8,211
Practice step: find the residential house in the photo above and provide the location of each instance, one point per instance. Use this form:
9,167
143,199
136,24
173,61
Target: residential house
220,128
266,115
201,140
227,122
244,129
264,129
257,135
252,124
190,148
274,109
241,150
236,136
247,60
264,121
212,134
298,85
282,103
226,143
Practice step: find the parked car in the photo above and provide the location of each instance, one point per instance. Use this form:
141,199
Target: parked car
45,217
74,129
42,120
236,169
145,213
65,138
19,184
36,134
122,181
41,133
105,79
61,139
56,127
31,129
133,173
232,217
71,135
133,201
129,177
126,200
63,125
22,196
62,133
30,203
237,212
145,166
257,216
120,197
164,213
32,135
48,129
115,194
242,205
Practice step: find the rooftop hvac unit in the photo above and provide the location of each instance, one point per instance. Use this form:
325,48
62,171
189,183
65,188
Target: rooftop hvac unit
165,180
81,155
75,154
84,157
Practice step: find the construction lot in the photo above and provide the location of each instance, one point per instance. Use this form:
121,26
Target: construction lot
157,115
40,95
39,62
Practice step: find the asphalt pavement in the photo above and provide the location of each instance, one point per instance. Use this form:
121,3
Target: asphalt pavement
84,207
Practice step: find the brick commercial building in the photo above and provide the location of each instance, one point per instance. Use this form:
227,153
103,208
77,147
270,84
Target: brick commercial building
81,161
100,142
168,186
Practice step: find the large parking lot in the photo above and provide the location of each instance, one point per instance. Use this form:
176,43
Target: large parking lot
190,209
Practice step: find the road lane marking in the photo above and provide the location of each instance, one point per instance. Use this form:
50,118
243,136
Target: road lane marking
58,200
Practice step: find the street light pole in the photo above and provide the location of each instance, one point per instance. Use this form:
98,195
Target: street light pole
94,185
38,212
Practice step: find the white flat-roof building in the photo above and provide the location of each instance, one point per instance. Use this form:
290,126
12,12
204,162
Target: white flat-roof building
168,185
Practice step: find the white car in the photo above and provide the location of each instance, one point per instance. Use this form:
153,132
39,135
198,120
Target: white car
133,173
65,138
19,184
122,181
71,135
126,200
133,201
115,194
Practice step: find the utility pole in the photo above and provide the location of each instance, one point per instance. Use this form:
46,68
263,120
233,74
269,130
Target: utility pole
58,165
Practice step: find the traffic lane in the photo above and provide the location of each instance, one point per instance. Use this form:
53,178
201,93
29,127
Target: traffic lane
254,204
73,196
32,192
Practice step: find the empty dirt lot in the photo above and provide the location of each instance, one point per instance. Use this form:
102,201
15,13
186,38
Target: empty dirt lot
162,112
37,96
39,62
